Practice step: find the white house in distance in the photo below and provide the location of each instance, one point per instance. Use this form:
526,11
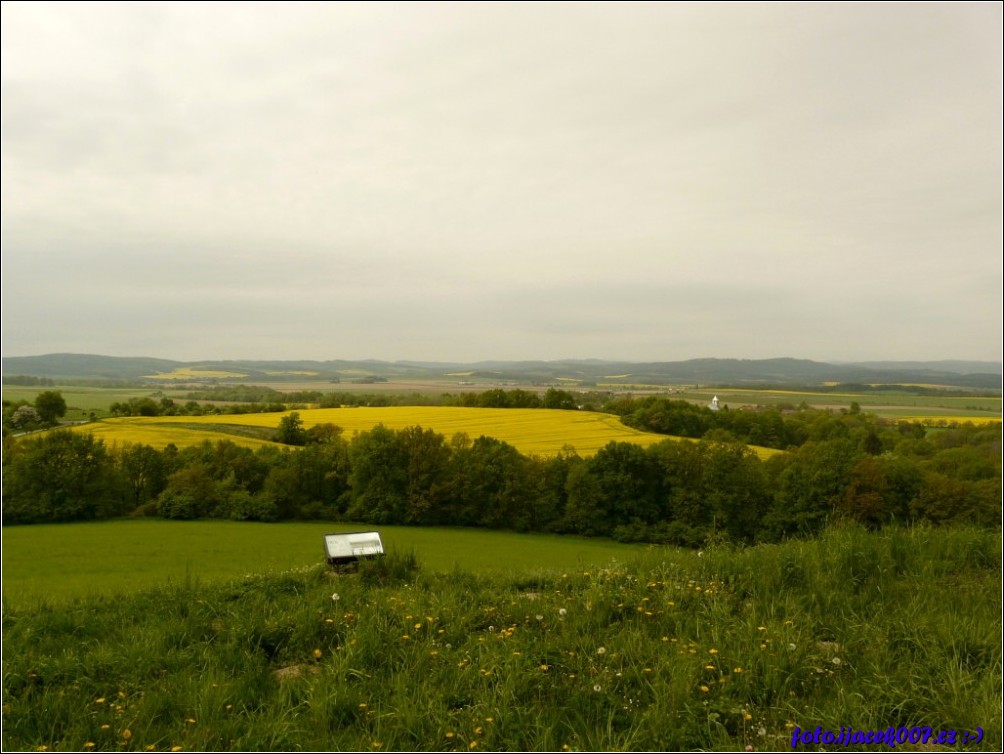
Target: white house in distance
714,404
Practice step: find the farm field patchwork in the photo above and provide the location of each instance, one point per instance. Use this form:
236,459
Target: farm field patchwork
194,373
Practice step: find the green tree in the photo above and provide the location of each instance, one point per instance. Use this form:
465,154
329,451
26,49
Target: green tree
143,470
50,406
62,476
379,477
291,431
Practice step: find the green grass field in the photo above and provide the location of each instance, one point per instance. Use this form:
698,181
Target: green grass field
61,562
890,404
80,401
666,651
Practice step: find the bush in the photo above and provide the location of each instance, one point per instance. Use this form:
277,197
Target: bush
392,568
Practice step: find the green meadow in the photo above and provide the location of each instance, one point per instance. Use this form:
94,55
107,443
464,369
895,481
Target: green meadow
441,648
60,562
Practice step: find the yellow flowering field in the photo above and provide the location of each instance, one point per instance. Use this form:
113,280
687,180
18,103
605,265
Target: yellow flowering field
936,420
532,431
150,431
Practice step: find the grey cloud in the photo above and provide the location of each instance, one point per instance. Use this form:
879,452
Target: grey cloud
466,178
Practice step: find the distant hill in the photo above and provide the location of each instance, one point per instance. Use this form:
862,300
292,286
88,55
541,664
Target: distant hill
585,372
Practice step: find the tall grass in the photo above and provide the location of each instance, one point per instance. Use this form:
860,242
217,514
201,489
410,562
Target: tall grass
669,650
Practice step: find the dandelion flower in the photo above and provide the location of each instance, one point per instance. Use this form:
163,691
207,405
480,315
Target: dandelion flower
737,670
126,734
176,748
450,734
99,700
89,745
317,654
601,650
704,688
712,651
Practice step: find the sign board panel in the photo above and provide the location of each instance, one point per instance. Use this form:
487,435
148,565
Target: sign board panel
345,548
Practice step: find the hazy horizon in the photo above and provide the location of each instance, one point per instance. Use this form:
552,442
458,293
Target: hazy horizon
469,182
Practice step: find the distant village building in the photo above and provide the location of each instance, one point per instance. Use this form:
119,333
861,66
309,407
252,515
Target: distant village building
714,404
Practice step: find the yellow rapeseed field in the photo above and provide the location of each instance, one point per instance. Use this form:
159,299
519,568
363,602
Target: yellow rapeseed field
940,421
532,431
151,431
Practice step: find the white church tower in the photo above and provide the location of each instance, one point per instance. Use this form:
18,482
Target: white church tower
714,404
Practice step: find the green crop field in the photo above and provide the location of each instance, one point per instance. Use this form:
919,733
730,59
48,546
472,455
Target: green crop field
59,562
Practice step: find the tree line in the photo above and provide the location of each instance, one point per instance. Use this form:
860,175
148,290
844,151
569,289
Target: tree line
849,466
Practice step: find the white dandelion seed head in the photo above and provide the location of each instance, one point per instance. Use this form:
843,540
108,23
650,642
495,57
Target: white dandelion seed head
540,617
792,647
601,650
597,688
562,612
335,597
835,660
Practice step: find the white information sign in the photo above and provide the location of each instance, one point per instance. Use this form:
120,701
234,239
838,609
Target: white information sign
352,545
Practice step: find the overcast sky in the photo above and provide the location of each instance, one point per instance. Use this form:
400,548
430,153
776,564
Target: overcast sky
532,181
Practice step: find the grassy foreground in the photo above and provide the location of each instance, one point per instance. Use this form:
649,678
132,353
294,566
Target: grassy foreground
731,650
